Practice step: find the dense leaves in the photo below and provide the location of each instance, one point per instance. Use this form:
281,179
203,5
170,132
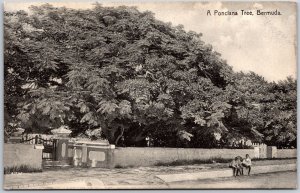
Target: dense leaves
131,75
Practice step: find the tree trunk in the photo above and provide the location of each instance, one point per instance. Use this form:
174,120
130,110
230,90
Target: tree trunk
120,135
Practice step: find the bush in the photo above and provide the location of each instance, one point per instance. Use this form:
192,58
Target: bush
21,169
195,161
123,167
210,161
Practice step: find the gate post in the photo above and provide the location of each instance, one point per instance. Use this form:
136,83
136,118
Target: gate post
271,152
61,153
62,141
262,151
84,158
256,152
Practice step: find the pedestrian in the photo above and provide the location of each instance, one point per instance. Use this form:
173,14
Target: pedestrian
236,166
240,163
247,163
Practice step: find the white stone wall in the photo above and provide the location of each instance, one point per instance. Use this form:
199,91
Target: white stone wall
22,154
286,153
134,156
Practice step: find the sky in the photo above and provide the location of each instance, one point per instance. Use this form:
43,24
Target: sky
265,44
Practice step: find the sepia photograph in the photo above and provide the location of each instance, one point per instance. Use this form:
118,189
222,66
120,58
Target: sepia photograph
149,95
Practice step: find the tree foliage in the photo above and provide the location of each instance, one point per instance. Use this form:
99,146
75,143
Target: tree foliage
129,74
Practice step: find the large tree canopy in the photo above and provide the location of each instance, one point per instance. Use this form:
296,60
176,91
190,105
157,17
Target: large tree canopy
129,74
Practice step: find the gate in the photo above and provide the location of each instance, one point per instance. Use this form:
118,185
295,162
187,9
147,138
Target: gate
49,150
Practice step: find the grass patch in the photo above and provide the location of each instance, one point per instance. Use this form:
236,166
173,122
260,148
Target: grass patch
123,167
264,159
195,161
21,169
210,161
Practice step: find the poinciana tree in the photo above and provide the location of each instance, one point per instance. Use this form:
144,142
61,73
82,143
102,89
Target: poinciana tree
281,114
123,71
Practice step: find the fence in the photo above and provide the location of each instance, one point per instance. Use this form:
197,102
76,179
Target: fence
93,154
103,155
48,142
90,154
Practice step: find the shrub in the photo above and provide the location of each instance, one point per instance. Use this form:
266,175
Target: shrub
21,169
193,162
123,167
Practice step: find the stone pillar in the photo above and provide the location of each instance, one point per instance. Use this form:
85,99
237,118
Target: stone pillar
16,136
271,152
84,158
77,156
262,151
62,142
256,152
62,149
110,157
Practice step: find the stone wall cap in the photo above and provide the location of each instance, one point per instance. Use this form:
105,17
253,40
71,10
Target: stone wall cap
91,143
38,146
61,130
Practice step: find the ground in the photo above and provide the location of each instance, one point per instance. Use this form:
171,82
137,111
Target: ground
259,181
145,177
